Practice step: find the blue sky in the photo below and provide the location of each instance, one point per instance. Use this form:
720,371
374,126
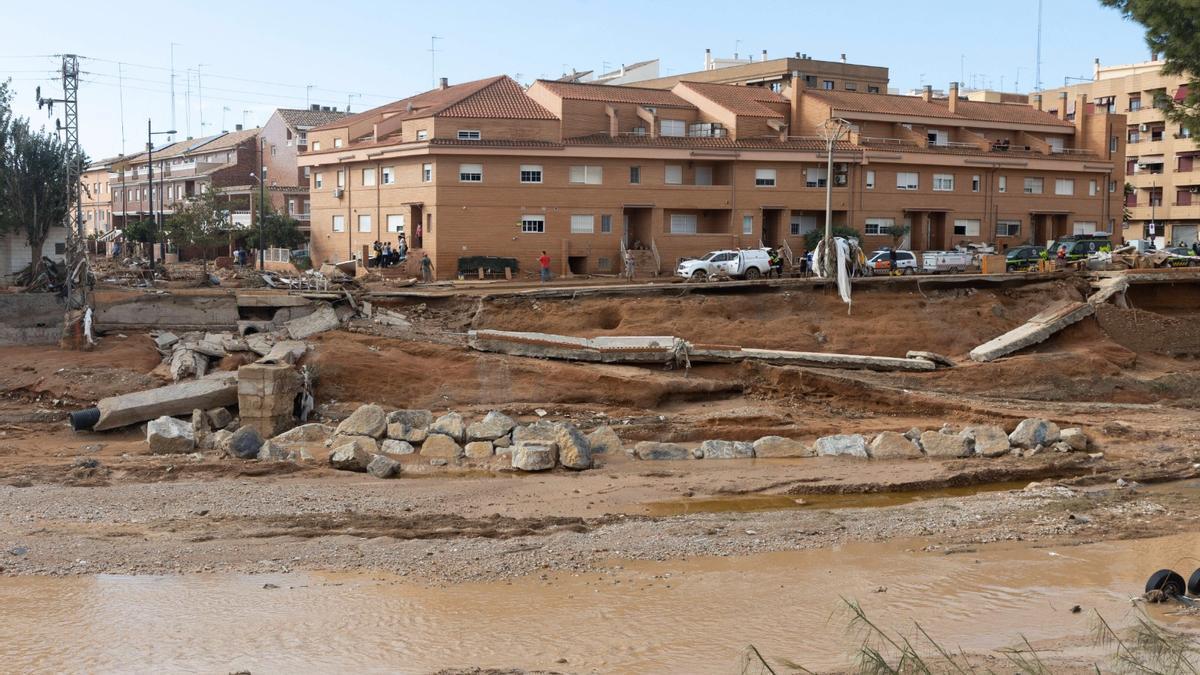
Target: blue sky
380,50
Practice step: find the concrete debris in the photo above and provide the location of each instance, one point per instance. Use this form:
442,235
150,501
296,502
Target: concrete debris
1033,432
200,423
260,343
987,441
893,445
392,446
534,456
273,452
368,420
652,450
285,351
353,453
1074,438
451,424
945,446
603,440
164,341
323,319
382,466
217,440
170,436
931,356
187,363
842,445
441,445
778,446
267,396
479,450
305,433
1043,325
245,443
574,451
218,390
219,418
387,317
492,426
724,450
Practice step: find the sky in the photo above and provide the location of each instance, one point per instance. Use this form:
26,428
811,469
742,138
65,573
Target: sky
235,62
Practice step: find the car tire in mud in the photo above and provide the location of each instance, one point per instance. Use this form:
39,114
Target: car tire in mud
753,274
1193,586
699,275
1168,582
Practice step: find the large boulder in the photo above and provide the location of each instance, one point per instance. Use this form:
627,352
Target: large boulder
479,449
368,420
574,451
245,443
382,466
169,436
655,450
893,445
944,446
540,430
778,446
451,424
392,446
724,450
219,418
409,425
217,440
354,454
842,445
1033,432
534,455
305,433
1075,438
492,426
605,441
272,452
988,440
441,445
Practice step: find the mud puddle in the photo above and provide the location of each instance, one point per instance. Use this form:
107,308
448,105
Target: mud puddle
765,502
673,617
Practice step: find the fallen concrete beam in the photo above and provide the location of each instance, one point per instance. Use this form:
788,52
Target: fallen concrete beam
1109,288
1037,329
275,299
325,318
215,391
704,353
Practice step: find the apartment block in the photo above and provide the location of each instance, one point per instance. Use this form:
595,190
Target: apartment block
95,197
585,171
778,73
1161,168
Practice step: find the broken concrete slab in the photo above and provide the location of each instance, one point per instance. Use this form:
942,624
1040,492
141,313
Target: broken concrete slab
216,390
720,354
165,341
321,320
285,351
1111,288
170,436
187,363
1037,329
935,357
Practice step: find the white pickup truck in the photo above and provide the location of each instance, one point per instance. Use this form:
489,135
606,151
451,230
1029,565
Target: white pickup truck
749,263
953,262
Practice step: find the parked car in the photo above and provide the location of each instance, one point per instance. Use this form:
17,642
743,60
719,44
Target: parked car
1188,257
953,262
1080,245
881,262
739,264
1023,258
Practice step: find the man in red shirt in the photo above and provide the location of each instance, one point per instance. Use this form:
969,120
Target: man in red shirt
544,261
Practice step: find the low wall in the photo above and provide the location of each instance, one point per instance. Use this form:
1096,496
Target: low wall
30,318
135,310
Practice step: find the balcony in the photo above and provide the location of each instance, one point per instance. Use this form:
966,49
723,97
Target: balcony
1179,212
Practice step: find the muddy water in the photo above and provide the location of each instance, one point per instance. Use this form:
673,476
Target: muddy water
676,617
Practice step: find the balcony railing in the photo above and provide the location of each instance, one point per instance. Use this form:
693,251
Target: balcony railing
896,142
1072,151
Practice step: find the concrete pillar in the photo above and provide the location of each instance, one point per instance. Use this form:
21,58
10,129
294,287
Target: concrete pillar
266,396
953,98
1080,120
927,93
1062,105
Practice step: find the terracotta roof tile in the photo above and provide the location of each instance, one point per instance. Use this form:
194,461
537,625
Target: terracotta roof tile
300,118
611,93
739,100
707,143
915,106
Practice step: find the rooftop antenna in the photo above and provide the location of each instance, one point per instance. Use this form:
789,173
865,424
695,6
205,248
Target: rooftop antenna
1017,82
200,95
224,109
1037,70
173,46
308,95
187,102
244,113
350,97
121,100
433,50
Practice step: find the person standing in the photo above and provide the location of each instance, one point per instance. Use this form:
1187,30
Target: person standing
892,270
630,265
426,268
544,261
401,248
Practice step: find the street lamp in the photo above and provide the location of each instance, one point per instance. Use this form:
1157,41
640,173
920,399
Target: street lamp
832,130
150,134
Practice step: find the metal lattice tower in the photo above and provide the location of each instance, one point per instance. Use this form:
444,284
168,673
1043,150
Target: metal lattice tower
70,128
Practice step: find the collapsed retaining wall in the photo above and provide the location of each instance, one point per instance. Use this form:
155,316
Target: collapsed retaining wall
30,318
134,310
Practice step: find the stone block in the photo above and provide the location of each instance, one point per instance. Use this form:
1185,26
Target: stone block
441,445
382,466
842,445
944,446
451,424
988,440
492,426
574,452
652,450
534,455
245,443
778,446
1033,432
479,449
604,440
368,420
353,454
1074,438
169,436
893,445
392,446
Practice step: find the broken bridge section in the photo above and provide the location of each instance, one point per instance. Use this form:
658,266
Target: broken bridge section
1039,328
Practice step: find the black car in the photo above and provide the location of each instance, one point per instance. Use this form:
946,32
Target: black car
1023,258
1080,246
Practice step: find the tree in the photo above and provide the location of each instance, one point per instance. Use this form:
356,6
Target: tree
279,231
813,238
142,231
202,222
1172,30
898,232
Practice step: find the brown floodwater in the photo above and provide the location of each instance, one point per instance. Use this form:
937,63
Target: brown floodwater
694,616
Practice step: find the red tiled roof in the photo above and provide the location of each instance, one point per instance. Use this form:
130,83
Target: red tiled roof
915,106
708,143
739,100
610,93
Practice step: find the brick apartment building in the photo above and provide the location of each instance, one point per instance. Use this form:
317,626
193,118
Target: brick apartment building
95,198
1162,164
486,168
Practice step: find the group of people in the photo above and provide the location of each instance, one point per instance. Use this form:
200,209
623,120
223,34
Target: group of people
387,256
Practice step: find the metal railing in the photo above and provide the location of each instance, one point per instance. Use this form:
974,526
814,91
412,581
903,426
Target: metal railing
880,140
1071,151
657,258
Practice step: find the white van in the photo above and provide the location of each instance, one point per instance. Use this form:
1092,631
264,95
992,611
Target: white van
953,262
751,263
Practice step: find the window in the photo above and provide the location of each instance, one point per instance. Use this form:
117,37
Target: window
368,177
635,175
469,135
704,175
389,175
341,178
605,224
533,224
337,142
683,223
975,183
851,86
1008,228
870,179
364,222
395,222
307,172
877,226
272,150
674,175
583,223
943,182
827,85
1064,186
802,225
1033,186
1092,188
1135,102
339,223
764,177
1112,186
1083,227
586,175
747,224
470,173
872,89
908,180
1056,144
531,173
672,128
937,137
1003,184
426,173
966,228
316,146
1112,144
422,135
815,176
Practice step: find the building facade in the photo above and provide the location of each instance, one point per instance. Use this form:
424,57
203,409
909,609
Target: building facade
95,197
1162,167
586,171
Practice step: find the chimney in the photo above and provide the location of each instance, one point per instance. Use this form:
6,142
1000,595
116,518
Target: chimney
1037,101
1080,119
927,93
707,59
764,58
316,107
796,98
1096,68
843,58
443,83
1062,105
798,55
953,100
237,127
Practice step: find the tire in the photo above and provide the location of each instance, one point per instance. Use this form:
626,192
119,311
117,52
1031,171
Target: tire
1194,583
955,270
699,275
1167,581
753,274
910,270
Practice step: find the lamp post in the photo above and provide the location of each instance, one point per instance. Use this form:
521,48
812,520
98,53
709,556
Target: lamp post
150,134
832,130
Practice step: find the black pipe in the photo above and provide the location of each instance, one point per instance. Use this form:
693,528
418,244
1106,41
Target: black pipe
84,420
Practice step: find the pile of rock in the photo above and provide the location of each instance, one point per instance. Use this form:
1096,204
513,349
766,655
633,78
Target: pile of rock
169,435
192,355
1030,437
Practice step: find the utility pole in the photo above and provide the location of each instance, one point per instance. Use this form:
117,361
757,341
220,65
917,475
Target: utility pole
308,96
262,199
832,130
70,131
433,50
